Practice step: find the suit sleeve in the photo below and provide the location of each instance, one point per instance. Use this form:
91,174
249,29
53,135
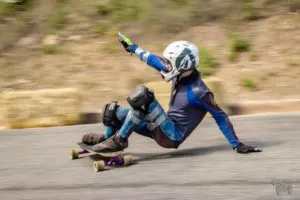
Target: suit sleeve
221,118
152,60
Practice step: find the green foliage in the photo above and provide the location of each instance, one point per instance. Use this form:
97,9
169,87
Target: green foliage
58,20
126,11
49,49
24,5
248,83
104,9
250,11
8,9
238,44
208,63
64,2
232,56
179,2
5,9
120,11
100,28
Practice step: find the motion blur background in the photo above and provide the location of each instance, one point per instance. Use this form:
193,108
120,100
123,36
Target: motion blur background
253,46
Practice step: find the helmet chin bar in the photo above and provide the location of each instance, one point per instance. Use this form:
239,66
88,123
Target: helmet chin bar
170,75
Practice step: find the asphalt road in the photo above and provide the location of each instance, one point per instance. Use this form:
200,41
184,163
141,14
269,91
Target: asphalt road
35,165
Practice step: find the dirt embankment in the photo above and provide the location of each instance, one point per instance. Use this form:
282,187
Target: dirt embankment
23,23
86,54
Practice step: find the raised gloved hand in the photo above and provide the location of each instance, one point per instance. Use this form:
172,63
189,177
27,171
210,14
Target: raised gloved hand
127,43
242,148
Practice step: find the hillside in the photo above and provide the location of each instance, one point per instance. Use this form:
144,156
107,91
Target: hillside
252,45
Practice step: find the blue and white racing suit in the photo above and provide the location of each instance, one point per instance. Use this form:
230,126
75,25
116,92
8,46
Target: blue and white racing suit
190,101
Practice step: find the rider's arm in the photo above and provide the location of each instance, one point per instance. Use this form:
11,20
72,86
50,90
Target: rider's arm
208,103
152,60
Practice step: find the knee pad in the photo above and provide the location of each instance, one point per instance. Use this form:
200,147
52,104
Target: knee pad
109,117
140,98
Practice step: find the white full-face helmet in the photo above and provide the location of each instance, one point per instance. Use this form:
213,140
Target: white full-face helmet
181,56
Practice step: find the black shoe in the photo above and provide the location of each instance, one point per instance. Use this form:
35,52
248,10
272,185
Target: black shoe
93,138
112,144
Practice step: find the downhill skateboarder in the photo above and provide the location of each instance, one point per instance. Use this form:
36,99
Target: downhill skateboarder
190,100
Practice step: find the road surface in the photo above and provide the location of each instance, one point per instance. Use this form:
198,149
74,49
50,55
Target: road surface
35,165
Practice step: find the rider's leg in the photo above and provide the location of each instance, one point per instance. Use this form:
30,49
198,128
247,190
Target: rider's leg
112,117
119,141
144,107
163,128
155,124
139,100
120,114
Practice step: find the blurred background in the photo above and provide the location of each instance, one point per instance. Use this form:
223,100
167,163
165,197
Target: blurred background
61,57
252,45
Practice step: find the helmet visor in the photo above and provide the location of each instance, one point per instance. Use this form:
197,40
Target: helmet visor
167,63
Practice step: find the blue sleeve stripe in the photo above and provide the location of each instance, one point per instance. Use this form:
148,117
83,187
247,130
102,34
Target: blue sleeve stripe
151,59
155,62
218,114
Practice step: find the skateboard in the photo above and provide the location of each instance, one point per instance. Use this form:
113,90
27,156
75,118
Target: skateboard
107,160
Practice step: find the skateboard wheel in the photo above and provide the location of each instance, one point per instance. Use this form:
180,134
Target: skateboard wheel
99,165
73,154
128,160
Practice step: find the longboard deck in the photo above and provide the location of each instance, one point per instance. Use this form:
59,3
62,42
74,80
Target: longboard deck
108,160
90,149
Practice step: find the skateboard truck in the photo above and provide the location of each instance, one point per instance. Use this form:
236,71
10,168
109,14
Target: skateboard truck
108,160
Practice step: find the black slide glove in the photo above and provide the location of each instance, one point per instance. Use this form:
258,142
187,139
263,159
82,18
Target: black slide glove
242,148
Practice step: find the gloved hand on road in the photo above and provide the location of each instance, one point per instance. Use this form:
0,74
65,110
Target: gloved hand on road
127,43
242,148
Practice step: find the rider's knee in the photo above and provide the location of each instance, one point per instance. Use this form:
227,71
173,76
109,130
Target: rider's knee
141,98
109,116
